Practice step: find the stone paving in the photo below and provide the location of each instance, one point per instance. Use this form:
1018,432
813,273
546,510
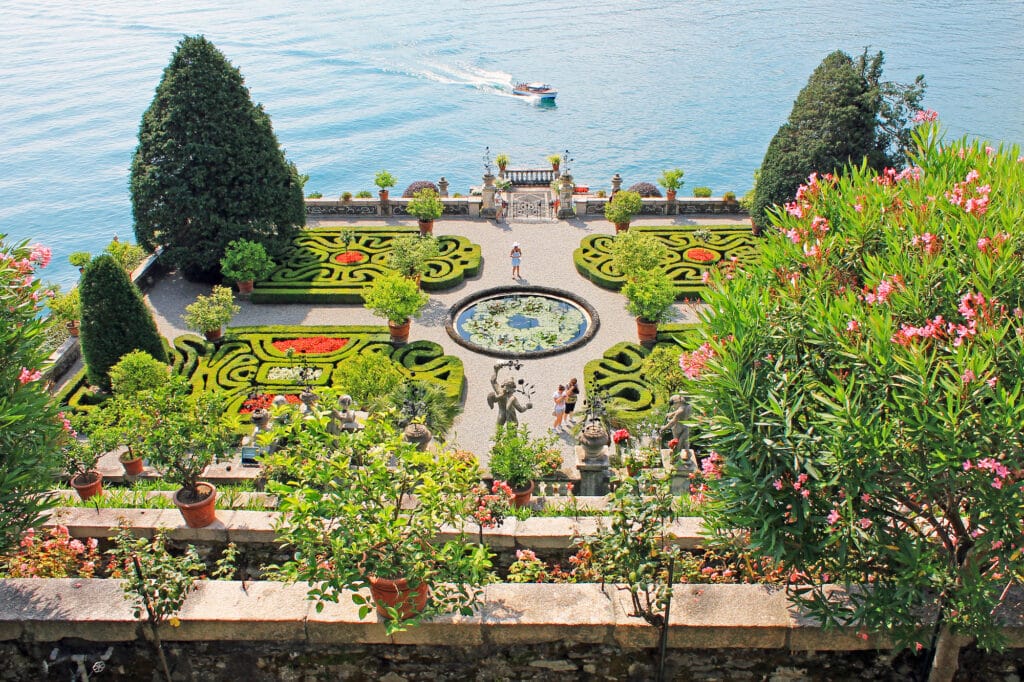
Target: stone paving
547,261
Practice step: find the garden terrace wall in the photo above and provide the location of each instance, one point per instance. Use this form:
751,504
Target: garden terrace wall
587,206
266,631
356,208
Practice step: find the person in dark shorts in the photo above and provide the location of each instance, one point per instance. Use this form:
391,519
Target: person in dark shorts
572,392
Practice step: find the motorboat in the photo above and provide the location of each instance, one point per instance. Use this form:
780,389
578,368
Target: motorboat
541,91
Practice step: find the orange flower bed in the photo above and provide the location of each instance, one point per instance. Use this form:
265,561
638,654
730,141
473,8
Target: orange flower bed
701,255
311,344
264,401
350,257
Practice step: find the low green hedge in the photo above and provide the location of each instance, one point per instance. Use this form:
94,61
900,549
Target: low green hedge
311,273
593,258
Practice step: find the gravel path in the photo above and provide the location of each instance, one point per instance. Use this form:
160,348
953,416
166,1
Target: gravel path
547,261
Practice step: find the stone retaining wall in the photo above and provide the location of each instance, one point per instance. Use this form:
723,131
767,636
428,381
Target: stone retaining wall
270,631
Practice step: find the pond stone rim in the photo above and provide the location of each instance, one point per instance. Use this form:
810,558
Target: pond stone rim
462,304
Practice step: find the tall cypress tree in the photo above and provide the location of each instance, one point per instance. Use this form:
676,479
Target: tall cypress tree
115,320
844,115
208,168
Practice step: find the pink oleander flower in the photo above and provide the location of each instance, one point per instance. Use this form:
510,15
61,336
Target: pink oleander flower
859,208
968,376
972,175
926,116
777,484
693,364
833,516
40,255
992,381
28,375
929,243
853,325
865,523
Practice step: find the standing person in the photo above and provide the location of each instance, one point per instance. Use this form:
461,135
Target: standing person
559,413
572,391
516,255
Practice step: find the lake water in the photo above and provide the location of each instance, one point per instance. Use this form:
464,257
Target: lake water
421,88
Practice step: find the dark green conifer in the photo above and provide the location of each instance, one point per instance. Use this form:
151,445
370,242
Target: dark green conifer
844,115
208,168
115,320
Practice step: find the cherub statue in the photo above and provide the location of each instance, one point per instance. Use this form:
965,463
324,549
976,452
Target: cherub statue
343,418
677,421
505,397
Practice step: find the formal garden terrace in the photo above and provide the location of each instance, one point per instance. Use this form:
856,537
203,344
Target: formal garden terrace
709,452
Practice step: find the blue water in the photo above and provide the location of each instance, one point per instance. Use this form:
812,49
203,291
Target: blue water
421,88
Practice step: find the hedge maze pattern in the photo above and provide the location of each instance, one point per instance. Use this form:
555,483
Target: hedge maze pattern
247,356
687,261
312,273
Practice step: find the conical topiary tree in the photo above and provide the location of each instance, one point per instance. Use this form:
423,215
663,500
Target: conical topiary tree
115,320
208,168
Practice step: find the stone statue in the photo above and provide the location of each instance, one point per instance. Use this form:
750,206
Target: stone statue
506,399
343,418
676,422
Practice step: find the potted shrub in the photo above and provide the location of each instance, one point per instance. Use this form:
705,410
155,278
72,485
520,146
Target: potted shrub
346,197
66,309
649,298
80,259
636,252
517,459
209,314
556,161
621,209
427,208
702,192
409,255
396,299
79,459
364,533
502,161
245,262
671,180
190,434
384,180
729,198
364,194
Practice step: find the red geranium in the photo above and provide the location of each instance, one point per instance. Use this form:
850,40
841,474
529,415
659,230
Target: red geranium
311,344
619,436
350,257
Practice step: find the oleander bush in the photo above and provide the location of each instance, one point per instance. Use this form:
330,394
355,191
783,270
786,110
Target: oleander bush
414,187
645,189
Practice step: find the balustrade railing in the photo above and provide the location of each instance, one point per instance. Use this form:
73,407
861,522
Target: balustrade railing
530,177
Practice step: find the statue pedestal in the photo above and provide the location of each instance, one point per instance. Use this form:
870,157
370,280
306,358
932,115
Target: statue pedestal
594,473
678,467
487,207
565,195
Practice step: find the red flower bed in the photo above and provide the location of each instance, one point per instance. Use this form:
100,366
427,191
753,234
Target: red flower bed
350,257
701,255
264,401
311,344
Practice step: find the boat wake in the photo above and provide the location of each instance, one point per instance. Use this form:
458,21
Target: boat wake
496,82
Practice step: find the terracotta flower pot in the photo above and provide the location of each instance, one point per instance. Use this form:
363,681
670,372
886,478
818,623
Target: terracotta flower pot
383,196
398,595
214,334
399,332
73,327
88,484
621,227
200,513
670,195
521,496
245,288
426,227
132,467
646,331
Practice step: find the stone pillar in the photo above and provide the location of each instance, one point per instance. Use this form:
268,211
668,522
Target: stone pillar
679,466
565,207
616,183
487,209
442,187
595,472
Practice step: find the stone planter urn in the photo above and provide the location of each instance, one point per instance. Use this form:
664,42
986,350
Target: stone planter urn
593,439
417,434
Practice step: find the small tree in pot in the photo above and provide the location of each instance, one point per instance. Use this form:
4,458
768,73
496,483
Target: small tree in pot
378,529
671,180
384,180
396,299
79,459
409,255
427,207
621,209
649,298
209,314
66,308
636,252
518,459
189,434
244,262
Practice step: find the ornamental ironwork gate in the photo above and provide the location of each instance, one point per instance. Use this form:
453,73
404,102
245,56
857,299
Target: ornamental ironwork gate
530,207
